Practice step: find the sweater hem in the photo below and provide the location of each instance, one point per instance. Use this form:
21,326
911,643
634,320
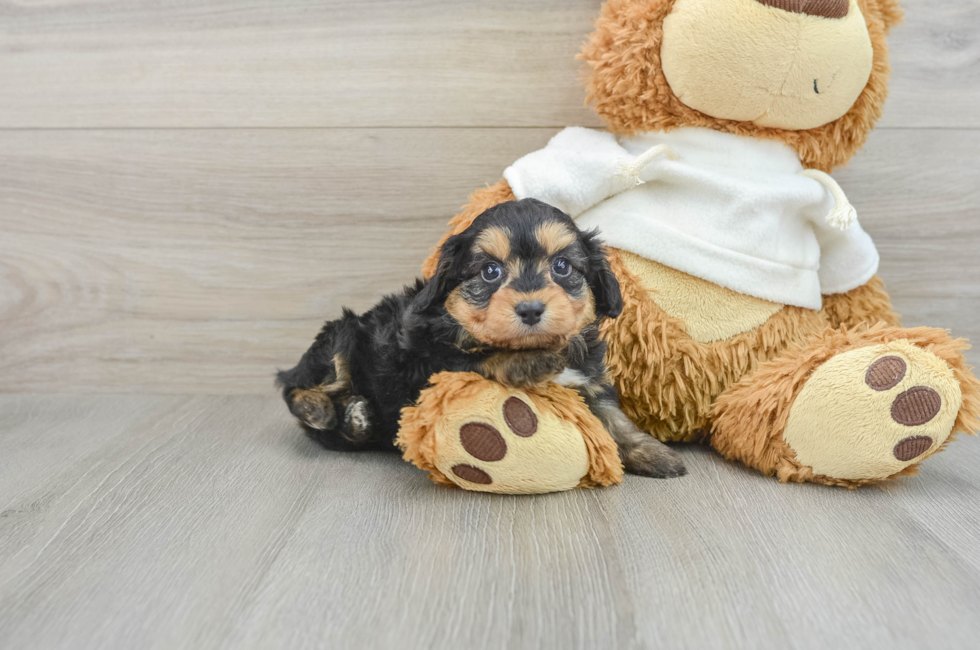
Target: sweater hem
752,276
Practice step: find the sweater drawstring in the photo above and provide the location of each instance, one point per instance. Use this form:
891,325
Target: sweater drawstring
843,214
630,171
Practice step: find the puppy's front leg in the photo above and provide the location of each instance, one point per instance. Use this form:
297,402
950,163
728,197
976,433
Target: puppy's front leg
527,368
640,452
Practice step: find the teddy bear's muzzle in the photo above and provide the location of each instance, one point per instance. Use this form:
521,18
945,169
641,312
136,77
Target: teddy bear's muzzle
822,8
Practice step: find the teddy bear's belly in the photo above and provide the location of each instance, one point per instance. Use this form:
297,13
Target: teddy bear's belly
709,312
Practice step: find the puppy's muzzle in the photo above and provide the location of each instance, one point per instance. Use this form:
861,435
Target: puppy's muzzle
530,311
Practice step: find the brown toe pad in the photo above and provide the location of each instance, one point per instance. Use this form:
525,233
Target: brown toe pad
482,441
916,406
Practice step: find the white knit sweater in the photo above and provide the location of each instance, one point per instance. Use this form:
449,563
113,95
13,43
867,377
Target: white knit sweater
734,210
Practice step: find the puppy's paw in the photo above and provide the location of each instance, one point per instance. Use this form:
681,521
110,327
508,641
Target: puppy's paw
313,408
358,419
522,369
539,366
652,458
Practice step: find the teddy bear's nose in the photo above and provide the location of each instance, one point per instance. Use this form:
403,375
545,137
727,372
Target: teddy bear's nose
823,8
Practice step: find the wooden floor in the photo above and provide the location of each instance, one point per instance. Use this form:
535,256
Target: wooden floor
211,522
189,188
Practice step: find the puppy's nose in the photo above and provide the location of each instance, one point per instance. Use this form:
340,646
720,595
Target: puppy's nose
822,8
530,311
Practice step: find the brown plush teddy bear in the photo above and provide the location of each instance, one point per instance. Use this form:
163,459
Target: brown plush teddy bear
753,313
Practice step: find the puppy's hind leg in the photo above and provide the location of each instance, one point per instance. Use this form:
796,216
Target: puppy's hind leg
357,425
640,452
314,405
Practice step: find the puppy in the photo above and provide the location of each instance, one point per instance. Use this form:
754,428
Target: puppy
517,297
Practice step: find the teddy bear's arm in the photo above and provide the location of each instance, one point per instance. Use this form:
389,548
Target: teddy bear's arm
480,201
867,304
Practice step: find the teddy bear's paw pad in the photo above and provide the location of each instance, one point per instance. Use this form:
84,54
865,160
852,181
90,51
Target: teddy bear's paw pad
871,412
914,407
912,447
504,444
918,405
885,373
520,418
482,441
472,474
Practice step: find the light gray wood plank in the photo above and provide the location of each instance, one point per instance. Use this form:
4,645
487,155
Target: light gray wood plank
373,63
803,566
943,504
211,522
141,540
935,58
296,63
184,261
43,440
128,254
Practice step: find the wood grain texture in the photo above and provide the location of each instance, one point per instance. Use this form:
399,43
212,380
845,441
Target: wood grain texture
211,522
185,261
295,63
129,254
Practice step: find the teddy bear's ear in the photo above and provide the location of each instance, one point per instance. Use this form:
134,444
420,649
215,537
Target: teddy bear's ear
891,13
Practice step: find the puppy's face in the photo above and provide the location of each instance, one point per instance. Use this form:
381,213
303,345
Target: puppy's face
523,276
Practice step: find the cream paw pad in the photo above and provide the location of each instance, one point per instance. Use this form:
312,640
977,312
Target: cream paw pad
476,434
871,412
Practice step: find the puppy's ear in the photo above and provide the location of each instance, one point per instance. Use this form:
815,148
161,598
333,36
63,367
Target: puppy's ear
602,281
446,278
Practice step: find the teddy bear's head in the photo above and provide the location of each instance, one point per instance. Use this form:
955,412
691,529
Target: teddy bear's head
811,73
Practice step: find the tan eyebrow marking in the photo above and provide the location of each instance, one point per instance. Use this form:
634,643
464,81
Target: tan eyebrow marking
495,242
554,236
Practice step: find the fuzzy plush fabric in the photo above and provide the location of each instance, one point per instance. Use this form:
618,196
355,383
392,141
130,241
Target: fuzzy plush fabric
842,426
463,431
865,305
733,210
668,381
717,58
627,87
750,418
708,311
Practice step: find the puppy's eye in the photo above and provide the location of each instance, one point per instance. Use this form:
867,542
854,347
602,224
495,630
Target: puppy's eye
561,267
491,272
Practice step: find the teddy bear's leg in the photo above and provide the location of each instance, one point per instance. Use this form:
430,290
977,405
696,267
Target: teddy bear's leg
850,407
474,433
667,380
865,305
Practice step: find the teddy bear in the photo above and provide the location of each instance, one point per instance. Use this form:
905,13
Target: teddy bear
754,319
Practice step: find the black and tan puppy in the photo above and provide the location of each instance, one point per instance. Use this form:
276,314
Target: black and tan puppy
517,297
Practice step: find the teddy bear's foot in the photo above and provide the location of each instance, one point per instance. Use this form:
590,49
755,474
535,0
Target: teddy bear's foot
850,408
870,413
478,435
